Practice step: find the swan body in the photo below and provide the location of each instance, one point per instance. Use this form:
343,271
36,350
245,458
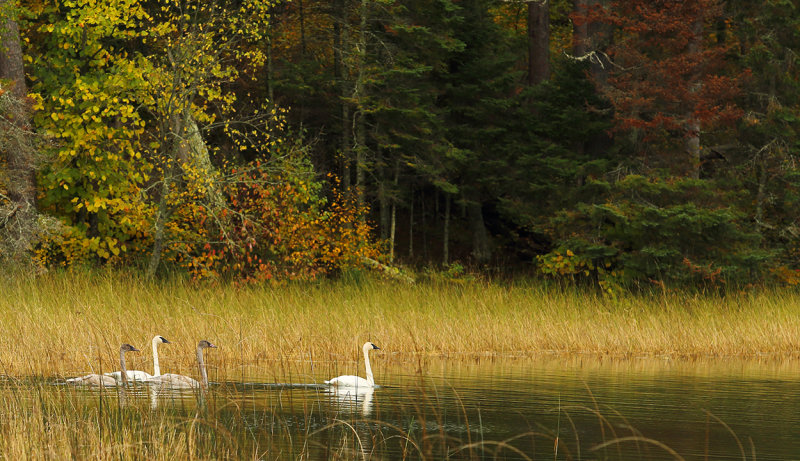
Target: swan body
95,379
351,381
357,382
138,375
133,375
176,381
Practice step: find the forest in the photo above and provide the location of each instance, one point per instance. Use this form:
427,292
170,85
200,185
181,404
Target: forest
620,144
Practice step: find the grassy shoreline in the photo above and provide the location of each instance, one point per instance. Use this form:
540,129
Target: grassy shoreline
61,324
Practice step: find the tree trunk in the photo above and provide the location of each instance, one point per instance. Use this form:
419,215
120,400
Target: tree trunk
340,45
446,237
693,125
481,247
186,150
424,223
538,41
761,194
383,203
19,220
359,95
158,233
302,29
361,160
693,148
590,40
411,225
392,230
394,208
347,152
199,161
11,67
270,69
580,29
177,153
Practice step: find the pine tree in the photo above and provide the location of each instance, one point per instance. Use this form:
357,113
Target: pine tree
765,158
669,83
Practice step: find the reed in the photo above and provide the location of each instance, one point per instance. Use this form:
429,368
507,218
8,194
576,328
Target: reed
41,420
65,324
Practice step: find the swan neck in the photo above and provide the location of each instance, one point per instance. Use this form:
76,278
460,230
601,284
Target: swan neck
370,378
202,365
156,368
123,369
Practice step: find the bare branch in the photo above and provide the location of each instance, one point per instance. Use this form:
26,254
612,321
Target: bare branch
595,57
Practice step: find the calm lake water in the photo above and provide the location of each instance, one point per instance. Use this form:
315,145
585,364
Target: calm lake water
507,409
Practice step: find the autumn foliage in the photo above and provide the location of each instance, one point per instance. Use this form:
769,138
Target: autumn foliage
156,159
202,138
668,78
279,227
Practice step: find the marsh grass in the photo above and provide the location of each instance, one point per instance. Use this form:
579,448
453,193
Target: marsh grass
43,420
62,324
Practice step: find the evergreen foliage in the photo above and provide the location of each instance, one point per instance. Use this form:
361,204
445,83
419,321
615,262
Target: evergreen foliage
643,230
258,140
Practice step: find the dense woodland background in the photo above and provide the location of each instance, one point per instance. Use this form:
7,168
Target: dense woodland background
619,143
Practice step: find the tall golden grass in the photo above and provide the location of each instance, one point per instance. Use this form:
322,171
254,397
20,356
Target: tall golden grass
64,324
42,421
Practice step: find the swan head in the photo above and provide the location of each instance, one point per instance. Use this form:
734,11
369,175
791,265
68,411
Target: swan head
160,339
128,348
205,344
369,346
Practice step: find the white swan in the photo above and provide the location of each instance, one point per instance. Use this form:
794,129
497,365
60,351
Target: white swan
95,379
357,381
138,375
174,381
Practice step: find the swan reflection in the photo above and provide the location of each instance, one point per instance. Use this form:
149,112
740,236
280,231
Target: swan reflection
161,396
352,399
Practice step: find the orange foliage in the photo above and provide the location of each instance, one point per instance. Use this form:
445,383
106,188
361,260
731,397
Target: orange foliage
277,227
669,76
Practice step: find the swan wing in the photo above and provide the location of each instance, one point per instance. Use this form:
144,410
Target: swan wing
173,380
93,380
139,375
117,375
